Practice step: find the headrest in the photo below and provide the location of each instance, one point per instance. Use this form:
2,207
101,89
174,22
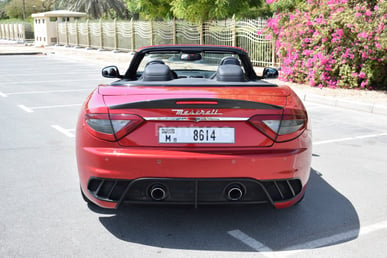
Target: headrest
230,73
157,72
229,60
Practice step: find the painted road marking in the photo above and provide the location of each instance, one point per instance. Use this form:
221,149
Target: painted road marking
31,109
57,81
28,110
337,238
67,132
56,106
350,138
325,241
249,241
42,92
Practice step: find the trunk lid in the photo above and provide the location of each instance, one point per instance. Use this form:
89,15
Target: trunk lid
207,117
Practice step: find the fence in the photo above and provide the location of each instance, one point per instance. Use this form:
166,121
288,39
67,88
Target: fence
19,32
131,35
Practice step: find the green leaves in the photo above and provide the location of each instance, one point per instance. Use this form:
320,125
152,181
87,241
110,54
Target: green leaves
196,11
333,43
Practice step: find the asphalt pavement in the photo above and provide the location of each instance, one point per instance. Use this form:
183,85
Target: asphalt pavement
43,215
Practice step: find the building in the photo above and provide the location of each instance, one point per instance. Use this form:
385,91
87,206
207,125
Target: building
45,25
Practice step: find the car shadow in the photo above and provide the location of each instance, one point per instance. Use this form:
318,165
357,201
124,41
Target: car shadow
323,213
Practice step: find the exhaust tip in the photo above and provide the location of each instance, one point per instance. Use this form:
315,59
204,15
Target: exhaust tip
235,192
158,192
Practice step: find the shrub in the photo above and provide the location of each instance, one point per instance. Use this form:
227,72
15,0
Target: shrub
333,43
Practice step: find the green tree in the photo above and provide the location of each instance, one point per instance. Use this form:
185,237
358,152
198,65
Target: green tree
21,9
198,11
286,5
150,9
97,8
3,13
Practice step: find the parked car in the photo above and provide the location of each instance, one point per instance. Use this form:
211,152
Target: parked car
193,125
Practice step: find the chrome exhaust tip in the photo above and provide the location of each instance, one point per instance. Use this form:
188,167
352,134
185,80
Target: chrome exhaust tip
158,193
235,192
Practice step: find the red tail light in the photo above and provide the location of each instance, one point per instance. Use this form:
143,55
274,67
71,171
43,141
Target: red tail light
112,127
281,128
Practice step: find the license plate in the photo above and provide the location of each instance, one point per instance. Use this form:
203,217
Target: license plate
196,135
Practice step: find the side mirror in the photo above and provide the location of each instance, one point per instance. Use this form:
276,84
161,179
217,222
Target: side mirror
270,73
111,72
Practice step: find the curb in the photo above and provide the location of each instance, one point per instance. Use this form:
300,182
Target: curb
21,53
353,105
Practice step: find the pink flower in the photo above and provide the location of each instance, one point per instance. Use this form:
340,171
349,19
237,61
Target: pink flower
270,1
368,13
357,14
364,83
362,75
362,35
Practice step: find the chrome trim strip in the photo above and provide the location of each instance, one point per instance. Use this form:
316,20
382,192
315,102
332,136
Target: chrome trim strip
196,119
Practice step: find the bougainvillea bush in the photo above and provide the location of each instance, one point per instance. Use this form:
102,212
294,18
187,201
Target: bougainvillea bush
333,43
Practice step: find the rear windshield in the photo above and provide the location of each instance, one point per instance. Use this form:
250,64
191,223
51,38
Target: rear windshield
186,61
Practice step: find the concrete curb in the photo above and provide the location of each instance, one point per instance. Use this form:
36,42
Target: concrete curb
353,105
21,53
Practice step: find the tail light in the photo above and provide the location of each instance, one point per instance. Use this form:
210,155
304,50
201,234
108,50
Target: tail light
281,127
112,127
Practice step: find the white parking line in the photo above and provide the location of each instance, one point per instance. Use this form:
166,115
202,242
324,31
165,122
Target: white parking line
325,241
57,106
28,110
56,81
249,241
337,238
31,109
64,131
350,138
41,92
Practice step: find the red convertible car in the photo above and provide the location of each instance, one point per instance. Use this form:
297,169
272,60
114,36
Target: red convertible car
192,124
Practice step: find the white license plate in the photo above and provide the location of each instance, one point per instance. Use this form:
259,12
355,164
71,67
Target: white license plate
196,135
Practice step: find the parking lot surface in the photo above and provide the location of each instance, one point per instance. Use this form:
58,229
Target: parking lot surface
344,213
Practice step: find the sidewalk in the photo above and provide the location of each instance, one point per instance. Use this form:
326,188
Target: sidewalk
367,101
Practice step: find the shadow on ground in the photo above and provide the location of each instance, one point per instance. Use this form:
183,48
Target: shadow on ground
323,212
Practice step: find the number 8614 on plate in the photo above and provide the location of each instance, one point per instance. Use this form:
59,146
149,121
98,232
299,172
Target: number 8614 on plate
196,135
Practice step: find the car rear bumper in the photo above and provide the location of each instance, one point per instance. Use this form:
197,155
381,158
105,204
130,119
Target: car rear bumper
196,191
113,176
